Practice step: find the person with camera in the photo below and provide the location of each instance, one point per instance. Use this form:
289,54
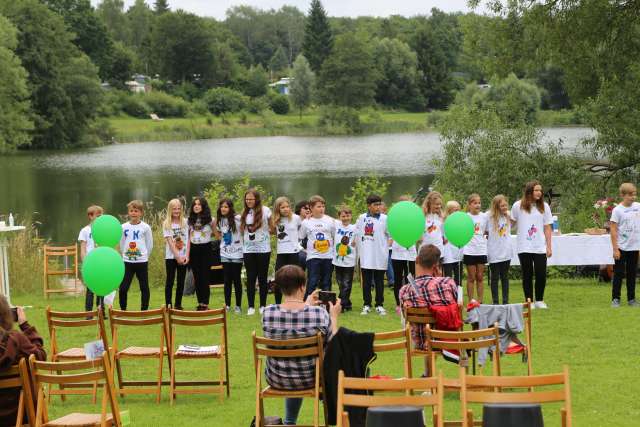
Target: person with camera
296,318
15,345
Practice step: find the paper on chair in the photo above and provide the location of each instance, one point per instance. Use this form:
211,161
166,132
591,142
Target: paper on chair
187,348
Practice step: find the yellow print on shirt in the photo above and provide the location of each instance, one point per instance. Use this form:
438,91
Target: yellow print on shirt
321,244
502,230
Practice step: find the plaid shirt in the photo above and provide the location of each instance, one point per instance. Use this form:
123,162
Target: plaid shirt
293,373
425,292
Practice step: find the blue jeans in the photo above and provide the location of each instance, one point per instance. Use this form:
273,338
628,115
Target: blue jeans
292,407
318,274
390,276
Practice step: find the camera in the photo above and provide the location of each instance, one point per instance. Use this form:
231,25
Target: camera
14,314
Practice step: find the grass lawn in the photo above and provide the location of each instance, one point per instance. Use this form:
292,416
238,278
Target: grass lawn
579,329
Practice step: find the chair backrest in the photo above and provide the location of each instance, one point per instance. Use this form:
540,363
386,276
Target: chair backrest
399,340
298,347
197,318
419,316
516,389
17,376
57,320
53,251
63,373
119,318
347,385
59,251
466,340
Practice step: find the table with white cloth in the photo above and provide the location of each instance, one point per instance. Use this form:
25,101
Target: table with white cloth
575,249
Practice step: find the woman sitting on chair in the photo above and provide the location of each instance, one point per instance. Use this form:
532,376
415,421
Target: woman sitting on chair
295,318
15,345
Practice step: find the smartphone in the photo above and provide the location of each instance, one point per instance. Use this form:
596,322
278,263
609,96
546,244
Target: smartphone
326,297
14,313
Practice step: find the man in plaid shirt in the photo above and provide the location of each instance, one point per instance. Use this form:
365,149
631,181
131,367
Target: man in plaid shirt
428,289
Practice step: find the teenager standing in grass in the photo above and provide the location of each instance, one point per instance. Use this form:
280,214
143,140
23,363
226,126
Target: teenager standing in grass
452,255
304,212
200,250
136,245
344,255
175,231
625,240
256,247
228,232
432,208
87,245
475,252
286,226
499,247
318,229
532,217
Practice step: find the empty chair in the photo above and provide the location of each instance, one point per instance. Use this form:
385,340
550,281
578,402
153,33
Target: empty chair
65,255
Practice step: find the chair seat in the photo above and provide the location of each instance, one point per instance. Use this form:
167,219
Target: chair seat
195,355
79,420
269,391
141,351
72,353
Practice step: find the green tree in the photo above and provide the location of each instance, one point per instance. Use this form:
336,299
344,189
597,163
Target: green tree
140,21
15,123
122,61
349,76
111,12
161,6
356,199
302,84
65,90
256,82
223,100
278,61
397,66
318,38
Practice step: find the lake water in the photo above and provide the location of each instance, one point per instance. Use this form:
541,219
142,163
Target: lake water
56,187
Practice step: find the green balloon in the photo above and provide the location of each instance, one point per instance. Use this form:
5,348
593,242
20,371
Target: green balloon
103,270
106,231
458,229
405,223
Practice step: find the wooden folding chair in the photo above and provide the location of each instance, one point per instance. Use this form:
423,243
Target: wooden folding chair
139,319
293,348
17,377
495,389
213,319
214,285
97,370
526,315
78,320
434,399
67,270
392,341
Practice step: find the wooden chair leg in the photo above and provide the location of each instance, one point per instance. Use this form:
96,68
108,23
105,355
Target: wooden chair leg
172,385
221,379
159,392
120,380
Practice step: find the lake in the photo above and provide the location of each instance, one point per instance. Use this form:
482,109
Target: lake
55,188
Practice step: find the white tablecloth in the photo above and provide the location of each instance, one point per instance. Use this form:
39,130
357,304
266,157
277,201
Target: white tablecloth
575,249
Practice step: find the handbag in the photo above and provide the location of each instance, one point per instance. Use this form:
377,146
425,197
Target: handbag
189,283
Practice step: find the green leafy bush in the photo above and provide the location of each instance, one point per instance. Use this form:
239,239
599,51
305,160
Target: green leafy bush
356,199
134,105
343,119
280,104
166,105
224,100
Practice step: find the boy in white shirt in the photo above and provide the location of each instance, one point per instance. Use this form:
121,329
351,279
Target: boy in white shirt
87,245
373,240
344,259
625,239
319,230
136,245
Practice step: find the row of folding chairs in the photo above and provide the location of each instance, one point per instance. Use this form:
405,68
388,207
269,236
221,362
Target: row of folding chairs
166,323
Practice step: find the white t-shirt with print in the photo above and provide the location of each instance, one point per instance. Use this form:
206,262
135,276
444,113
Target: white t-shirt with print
628,220
399,252
287,231
530,228
136,242
478,244
86,236
258,240
372,238
499,240
344,250
319,233
433,231
230,241
180,234
451,253
199,233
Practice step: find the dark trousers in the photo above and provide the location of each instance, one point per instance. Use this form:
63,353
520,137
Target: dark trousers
281,261
453,270
401,268
141,271
232,278
88,300
626,265
257,266
172,266
373,278
318,275
200,259
499,271
533,264
344,278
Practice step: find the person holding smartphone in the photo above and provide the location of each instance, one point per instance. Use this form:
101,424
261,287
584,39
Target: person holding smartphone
15,345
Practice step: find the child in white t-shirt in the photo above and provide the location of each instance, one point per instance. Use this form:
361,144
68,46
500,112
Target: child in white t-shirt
452,255
201,225
373,248
432,208
499,250
175,231
319,230
87,245
227,230
344,255
625,239
475,252
136,245
285,225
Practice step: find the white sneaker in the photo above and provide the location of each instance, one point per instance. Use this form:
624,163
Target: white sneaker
251,311
365,310
261,310
541,304
227,308
381,311
237,310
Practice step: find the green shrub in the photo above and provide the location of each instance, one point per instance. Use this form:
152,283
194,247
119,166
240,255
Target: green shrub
166,105
224,100
134,105
257,105
280,104
199,107
345,118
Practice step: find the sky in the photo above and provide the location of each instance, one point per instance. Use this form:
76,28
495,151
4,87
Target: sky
351,8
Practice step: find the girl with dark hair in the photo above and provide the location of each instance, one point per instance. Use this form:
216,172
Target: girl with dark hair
228,232
200,250
256,247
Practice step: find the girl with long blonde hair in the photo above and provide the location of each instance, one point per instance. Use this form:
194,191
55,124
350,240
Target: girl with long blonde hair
175,231
432,208
475,252
285,226
499,247
452,256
